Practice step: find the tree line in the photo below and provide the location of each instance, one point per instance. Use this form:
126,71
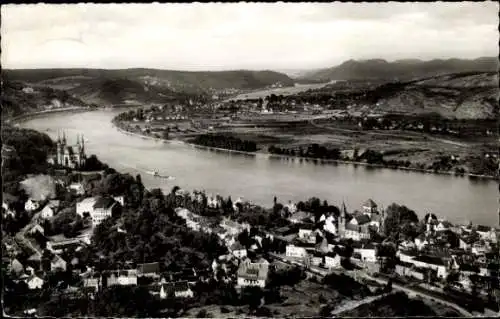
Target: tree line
225,142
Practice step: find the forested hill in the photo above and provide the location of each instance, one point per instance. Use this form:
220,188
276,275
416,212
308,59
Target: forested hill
176,81
401,69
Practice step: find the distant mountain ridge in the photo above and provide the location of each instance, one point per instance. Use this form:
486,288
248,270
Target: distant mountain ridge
177,81
405,69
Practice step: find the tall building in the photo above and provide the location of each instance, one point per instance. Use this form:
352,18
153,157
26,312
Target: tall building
71,156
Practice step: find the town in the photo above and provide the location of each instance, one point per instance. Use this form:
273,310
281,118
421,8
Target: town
77,233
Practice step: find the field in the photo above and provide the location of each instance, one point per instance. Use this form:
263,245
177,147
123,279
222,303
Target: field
303,300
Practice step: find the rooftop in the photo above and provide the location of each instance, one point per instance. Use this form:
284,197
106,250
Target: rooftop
370,203
104,202
253,271
149,268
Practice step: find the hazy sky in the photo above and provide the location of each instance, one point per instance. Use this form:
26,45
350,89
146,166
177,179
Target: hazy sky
237,36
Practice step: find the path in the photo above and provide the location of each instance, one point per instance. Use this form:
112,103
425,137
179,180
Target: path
355,304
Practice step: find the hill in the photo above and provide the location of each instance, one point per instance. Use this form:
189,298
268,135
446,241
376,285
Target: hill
401,69
146,85
461,95
20,98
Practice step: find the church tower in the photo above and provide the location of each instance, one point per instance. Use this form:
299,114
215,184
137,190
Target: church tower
60,149
342,220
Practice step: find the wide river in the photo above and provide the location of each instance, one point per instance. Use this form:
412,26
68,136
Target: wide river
259,178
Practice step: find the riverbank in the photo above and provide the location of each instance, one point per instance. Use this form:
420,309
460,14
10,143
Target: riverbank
25,117
310,159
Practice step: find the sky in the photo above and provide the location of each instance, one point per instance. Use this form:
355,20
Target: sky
214,36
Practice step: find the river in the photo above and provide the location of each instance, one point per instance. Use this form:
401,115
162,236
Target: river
259,178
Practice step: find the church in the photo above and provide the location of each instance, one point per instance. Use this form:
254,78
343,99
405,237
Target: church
71,156
358,226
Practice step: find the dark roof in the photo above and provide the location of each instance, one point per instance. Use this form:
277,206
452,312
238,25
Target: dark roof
307,226
9,198
178,286
468,267
149,268
362,219
430,260
104,202
404,264
483,228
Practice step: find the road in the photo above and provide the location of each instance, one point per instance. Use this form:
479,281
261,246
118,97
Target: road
360,274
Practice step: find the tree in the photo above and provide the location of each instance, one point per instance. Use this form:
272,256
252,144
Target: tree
397,217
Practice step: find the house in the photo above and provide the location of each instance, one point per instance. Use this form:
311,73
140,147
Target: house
121,277
31,205
292,208
316,259
252,274
78,188
443,226
93,282
57,244
34,282
434,263
37,228
405,269
179,289
214,202
16,267
369,207
50,209
57,264
332,260
487,233
295,251
150,270
98,208
120,199
466,242
299,217
329,225
367,252
238,250
234,228
7,202
479,248
307,234
357,232
421,241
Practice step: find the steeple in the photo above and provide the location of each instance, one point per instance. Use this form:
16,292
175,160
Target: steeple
58,136
64,138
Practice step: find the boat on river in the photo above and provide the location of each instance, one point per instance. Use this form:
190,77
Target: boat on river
156,174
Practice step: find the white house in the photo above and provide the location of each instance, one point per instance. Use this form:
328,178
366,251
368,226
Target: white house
252,274
295,251
332,260
179,289
122,278
442,225
214,202
299,217
57,263
367,253
306,234
487,233
50,209
34,282
329,225
99,208
31,205
78,188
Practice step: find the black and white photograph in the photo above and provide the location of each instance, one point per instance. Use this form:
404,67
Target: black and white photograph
250,160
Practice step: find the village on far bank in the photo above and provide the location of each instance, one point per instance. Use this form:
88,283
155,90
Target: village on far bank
76,229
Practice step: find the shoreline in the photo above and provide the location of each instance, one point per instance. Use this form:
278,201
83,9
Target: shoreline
311,159
28,116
